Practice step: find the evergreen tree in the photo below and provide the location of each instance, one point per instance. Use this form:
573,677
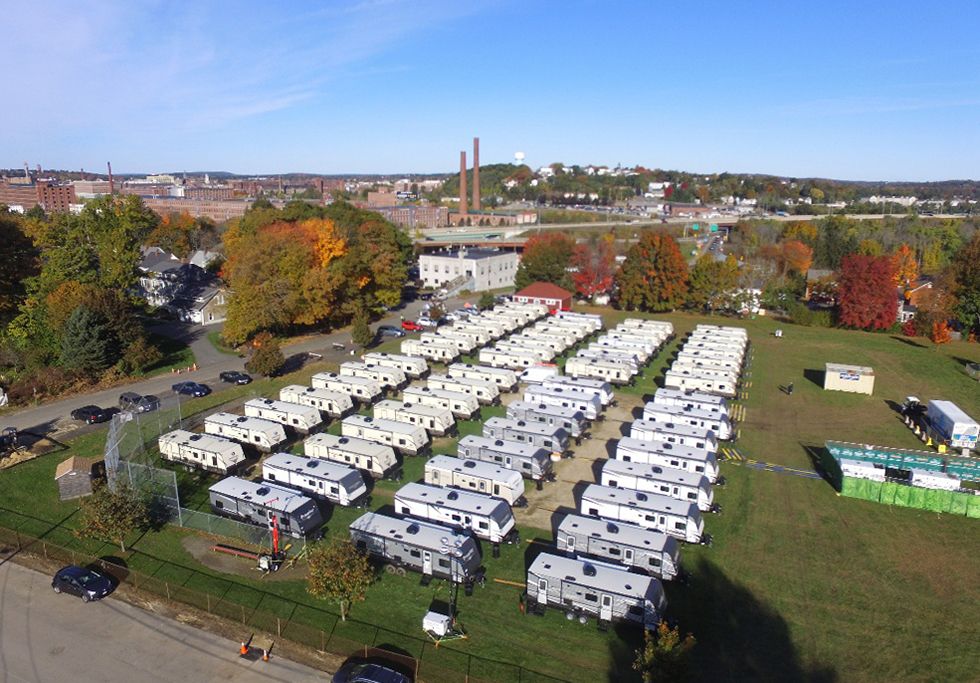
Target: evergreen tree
86,342
360,332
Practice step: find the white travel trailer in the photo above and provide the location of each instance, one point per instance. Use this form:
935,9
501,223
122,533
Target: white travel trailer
541,353
494,328
261,434
649,345
429,549
549,341
526,316
668,455
476,475
555,439
508,358
300,419
589,404
594,321
363,390
739,341
695,400
388,377
461,405
480,334
687,365
486,517
703,359
579,329
506,380
665,481
604,343
650,552
509,323
595,368
649,324
570,336
485,392
405,438
600,388
656,337
532,462
436,421
339,484
589,588
548,349
686,380
571,420
538,374
412,366
671,432
712,346
724,330
681,520
539,310
201,451
463,343
374,458
327,401
256,502
623,357
439,352
702,419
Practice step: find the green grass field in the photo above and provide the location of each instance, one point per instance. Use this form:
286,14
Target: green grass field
800,585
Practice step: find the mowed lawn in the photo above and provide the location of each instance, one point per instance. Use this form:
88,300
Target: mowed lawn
800,585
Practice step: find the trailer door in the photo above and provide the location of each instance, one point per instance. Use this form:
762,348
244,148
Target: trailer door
426,562
628,556
605,609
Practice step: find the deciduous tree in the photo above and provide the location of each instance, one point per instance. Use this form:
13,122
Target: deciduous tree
267,356
339,572
966,275
654,275
940,334
112,515
906,268
546,259
665,656
19,261
594,267
796,257
714,285
866,292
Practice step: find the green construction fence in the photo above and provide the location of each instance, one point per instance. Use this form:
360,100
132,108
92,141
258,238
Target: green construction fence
903,495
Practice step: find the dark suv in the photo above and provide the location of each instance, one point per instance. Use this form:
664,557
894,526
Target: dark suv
133,402
390,331
90,414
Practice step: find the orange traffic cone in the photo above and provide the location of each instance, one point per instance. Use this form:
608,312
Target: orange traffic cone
195,367
244,650
265,655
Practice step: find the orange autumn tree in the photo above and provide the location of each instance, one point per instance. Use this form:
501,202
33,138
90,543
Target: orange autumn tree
906,268
796,256
940,334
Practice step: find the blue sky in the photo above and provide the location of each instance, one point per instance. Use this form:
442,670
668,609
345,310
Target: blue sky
862,90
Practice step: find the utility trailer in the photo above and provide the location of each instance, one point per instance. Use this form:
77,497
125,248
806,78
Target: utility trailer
685,380
585,589
484,392
506,380
695,400
387,376
596,368
430,549
665,481
463,406
261,434
532,462
260,502
600,388
336,483
436,421
537,434
201,451
638,549
669,455
365,391
327,401
671,432
412,366
589,405
484,516
300,419
476,475
571,420
405,438
948,424
681,520
692,417
376,459
439,352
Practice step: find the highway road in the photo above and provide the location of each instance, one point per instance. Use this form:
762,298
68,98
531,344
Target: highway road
48,637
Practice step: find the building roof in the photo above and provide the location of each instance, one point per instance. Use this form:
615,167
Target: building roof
474,254
75,463
544,290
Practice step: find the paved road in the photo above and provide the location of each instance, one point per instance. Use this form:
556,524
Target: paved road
46,637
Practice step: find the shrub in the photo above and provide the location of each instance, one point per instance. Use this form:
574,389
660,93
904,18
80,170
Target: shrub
43,382
799,314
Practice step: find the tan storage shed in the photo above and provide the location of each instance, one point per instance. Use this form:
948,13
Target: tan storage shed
850,378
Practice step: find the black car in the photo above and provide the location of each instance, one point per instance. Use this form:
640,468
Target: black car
390,331
85,583
90,414
191,389
368,673
234,377
130,401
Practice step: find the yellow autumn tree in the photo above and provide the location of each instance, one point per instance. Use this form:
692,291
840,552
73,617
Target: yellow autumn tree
906,268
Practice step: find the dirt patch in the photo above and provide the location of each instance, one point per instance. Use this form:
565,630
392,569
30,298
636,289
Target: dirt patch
200,549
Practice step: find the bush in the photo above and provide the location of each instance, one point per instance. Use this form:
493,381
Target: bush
800,314
43,382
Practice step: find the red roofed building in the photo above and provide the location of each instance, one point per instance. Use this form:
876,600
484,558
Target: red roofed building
552,296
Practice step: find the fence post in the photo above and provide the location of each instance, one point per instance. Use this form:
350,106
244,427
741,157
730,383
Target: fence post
19,546
279,627
208,598
167,586
323,642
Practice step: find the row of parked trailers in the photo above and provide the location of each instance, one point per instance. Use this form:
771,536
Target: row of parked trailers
619,355
540,344
710,361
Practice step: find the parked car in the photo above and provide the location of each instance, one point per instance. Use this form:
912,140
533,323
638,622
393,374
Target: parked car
425,296
90,414
367,672
85,583
390,331
234,377
130,401
191,389
426,322
411,326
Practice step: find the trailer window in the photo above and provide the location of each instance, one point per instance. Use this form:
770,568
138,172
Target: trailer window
592,597
615,552
654,561
680,526
218,504
692,496
444,563
416,553
636,610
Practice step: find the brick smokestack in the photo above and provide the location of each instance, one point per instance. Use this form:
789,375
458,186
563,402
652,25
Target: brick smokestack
462,184
476,174
111,187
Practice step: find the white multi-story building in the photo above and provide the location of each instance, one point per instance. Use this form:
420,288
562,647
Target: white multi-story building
478,270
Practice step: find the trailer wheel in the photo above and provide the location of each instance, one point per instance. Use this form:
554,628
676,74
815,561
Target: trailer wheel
390,568
400,571
582,619
570,615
